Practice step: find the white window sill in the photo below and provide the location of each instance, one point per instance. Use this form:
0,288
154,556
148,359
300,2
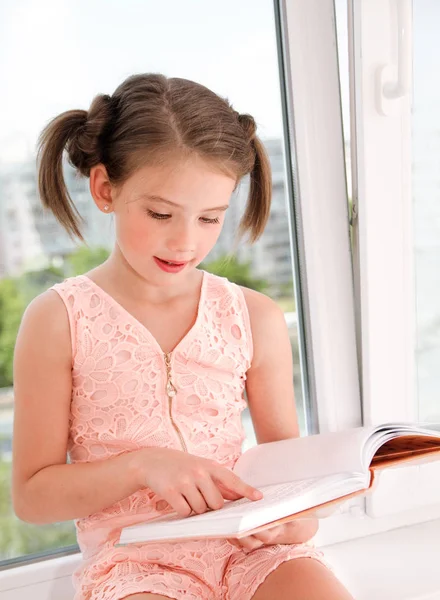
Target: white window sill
401,564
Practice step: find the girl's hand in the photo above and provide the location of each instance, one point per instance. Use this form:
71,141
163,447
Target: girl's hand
188,482
293,532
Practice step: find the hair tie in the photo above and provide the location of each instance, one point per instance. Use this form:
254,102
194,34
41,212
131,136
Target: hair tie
249,125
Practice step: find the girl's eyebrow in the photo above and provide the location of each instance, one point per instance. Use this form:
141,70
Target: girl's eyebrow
165,201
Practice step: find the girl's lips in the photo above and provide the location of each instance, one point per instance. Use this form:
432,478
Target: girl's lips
174,262
169,268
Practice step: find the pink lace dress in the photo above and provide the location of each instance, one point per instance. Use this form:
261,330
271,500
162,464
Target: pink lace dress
122,401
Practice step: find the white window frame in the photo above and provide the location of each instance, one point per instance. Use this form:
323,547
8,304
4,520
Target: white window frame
316,172
384,262
324,285
381,292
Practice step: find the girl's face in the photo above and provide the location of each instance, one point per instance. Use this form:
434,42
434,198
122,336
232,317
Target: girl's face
170,214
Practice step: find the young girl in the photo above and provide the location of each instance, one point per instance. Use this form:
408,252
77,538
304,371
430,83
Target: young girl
137,368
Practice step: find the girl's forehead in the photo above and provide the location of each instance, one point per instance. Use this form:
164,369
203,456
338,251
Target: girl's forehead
179,166
179,179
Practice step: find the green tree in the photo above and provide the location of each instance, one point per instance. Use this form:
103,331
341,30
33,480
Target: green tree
12,305
238,272
84,259
33,283
285,298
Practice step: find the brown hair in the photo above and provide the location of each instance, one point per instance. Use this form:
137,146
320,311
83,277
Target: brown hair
148,118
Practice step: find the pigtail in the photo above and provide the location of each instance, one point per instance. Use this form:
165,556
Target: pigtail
260,193
51,185
81,133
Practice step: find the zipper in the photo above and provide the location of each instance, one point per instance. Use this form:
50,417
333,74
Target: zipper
171,391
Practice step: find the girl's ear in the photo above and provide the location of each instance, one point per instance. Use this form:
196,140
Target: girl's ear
101,188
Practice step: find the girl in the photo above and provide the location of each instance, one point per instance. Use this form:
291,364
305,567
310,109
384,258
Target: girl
137,368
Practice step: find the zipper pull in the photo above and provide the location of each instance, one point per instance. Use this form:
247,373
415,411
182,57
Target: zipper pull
169,388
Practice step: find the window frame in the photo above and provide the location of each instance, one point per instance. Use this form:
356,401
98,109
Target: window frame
359,381
384,258
318,210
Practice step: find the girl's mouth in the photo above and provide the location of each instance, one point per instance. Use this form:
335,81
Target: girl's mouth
169,266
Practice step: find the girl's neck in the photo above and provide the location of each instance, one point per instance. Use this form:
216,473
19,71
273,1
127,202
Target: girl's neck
116,275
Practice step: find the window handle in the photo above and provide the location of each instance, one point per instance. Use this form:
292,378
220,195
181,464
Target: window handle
394,82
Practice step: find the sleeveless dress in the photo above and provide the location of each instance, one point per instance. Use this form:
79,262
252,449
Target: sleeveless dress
126,395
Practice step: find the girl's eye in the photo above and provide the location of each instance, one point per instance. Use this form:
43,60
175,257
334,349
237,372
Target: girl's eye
206,220
161,217
156,215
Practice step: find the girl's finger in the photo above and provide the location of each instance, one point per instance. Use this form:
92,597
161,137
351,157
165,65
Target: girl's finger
211,493
227,493
179,504
264,537
231,481
194,498
250,542
268,535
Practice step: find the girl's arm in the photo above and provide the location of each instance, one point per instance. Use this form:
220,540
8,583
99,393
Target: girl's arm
44,488
269,384
269,381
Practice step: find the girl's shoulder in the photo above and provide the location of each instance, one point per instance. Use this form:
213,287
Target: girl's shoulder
50,305
52,314
48,309
266,318
75,292
260,307
46,319
73,283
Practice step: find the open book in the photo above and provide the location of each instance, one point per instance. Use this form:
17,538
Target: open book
297,476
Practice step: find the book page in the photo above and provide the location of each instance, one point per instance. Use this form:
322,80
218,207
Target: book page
240,515
293,495
400,441
272,495
303,458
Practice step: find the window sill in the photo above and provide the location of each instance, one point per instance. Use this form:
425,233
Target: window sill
400,564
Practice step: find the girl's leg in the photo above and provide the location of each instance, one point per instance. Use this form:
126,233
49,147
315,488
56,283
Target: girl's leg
302,579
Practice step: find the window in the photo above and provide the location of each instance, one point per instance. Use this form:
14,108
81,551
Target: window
393,233
324,284
184,39
376,339
426,205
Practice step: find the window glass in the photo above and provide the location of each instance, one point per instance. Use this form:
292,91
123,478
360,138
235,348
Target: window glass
426,203
56,56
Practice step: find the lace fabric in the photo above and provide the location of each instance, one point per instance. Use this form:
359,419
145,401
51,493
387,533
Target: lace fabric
194,570
119,404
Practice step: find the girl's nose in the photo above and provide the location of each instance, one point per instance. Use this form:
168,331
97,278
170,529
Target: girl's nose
182,240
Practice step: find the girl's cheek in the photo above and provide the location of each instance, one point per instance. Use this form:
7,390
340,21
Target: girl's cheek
210,240
135,233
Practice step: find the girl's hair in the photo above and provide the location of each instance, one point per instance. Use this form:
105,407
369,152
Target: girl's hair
151,119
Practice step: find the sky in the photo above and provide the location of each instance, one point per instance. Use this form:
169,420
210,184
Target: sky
56,55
